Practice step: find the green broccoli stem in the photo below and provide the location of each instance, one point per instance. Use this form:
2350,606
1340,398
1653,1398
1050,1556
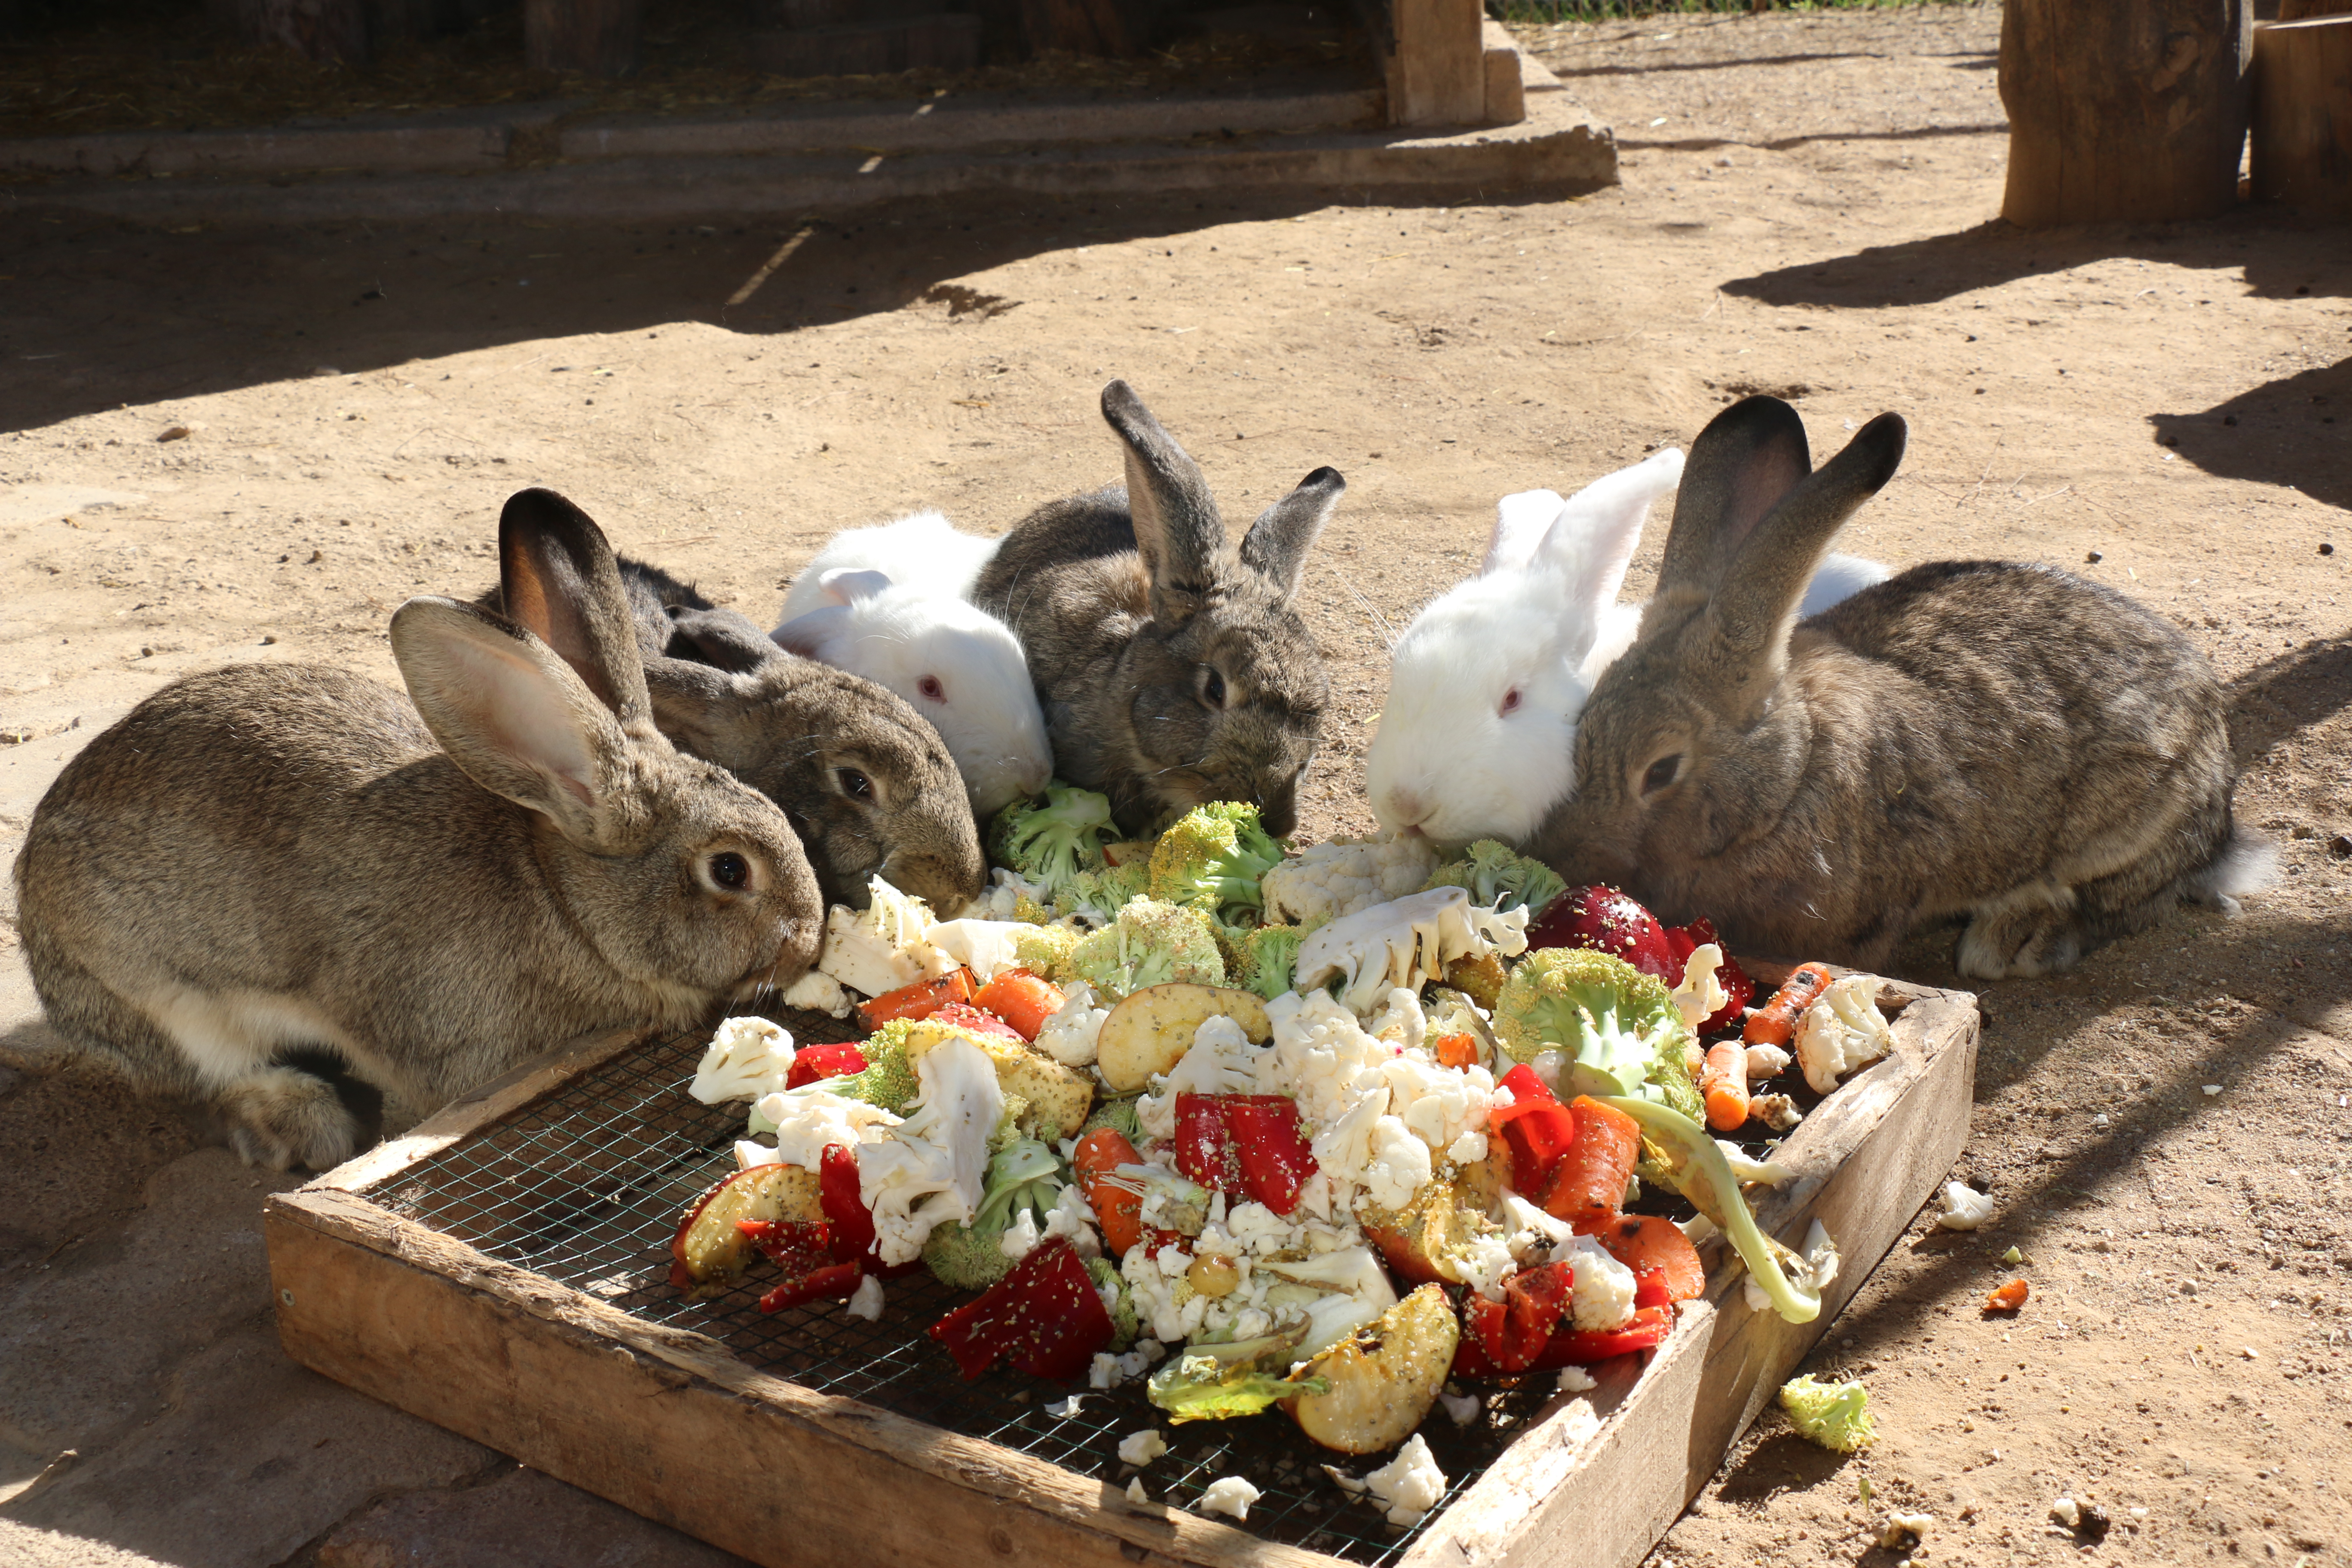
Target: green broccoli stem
1717,1192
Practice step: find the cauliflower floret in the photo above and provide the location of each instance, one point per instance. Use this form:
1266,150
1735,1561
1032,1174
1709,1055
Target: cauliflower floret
748,1057
1484,1262
1965,1208
1400,1165
865,1301
1602,1296
1341,876
1842,1031
1069,1036
931,1169
886,946
1405,943
817,992
1440,1104
1766,1061
1020,1238
1700,998
1165,1302
1139,1449
987,948
1322,1057
808,1118
1411,1484
1071,1217
1529,1232
1229,1494
1403,1024
1009,896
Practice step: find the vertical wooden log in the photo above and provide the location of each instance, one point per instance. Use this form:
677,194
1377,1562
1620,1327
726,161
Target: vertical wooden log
594,38
2123,112
2303,114
1437,75
322,31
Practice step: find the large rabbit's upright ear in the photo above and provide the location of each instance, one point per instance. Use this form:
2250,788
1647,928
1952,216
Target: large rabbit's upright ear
1520,522
708,711
725,640
1748,456
515,717
1757,602
1178,530
557,573
1592,543
1276,544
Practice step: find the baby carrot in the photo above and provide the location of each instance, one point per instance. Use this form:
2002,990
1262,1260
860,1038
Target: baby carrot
1724,1082
1022,999
1117,1210
1775,1023
920,1000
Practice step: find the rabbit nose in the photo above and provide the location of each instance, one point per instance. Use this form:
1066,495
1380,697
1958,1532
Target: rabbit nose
1034,778
1405,809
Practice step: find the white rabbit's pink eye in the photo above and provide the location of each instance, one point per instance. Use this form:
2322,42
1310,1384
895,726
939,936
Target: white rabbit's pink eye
854,784
730,870
1511,700
931,689
1661,773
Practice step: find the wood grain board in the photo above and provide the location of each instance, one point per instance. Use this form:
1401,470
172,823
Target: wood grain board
672,1423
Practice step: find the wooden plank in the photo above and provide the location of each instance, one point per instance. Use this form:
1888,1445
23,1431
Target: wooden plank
2303,114
670,1424
593,37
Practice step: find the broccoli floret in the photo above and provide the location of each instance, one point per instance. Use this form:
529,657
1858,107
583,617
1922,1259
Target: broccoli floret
1050,840
1212,857
1620,1026
1834,1415
1045,949
1123,1321
1501,879
890,1079
1269,955
963,1258
1119,1115
1022,1176
1151,943
1008,1126
1098,896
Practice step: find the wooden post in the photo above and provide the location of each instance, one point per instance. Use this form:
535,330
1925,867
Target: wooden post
322,31
1437,73
2123,112
2303,114
594,38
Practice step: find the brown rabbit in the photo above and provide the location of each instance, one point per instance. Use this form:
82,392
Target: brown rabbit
1172,669
2007,742
866,780
265,869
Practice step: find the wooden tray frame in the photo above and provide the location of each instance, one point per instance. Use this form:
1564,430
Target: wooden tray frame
672,1425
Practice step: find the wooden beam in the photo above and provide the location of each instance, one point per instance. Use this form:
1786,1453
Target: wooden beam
589,37
2303,114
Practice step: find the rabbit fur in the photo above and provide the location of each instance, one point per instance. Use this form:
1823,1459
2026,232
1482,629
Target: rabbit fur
1476,738
1173,669
268,870
1977,739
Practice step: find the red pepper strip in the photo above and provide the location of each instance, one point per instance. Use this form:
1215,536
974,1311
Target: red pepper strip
811,1063
1649,1289
1582,1347
1275,1159
1205,1149
831,1283
1537,1127
1514,1331
1738,988
1043,1317
794,1246
846,1211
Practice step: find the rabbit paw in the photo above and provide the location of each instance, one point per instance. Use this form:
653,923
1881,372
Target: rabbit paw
283,1117
2020,941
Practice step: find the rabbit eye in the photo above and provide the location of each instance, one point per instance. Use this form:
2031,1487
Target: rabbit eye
1661,773
1511,700
931,689
854,784
1212,687
730,870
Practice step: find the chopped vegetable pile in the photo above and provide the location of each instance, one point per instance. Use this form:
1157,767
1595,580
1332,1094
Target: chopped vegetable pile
1262,1130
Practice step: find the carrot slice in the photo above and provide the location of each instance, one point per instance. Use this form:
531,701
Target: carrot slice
1775,1023
1119,1212
1643,1242
1589,1181
1457,1051
1022,999
920,1000
2008,1298
1724,1082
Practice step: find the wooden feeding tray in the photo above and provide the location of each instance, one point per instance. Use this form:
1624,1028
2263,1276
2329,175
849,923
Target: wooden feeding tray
501,1270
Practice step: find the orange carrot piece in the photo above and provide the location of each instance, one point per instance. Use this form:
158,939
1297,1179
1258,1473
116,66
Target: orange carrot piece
1648,1241
1022,999
1589,1181
1457,1051
1724,1082
1099,1155
1775,1023
920,1000
2008,1298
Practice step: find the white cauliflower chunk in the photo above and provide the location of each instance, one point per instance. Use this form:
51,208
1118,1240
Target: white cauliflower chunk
984,947
1405,943
817,992
748,1057
1020,1238
1485,1262
1576,1380
1003,894
1404,1023
1069,1036
1440,1104
808,1118
1411,1484
1842,1032
1701,996
1321,1058
1965,1208
1602,1294
1229,1494
929,1170
1340,876
865,1301
1071,1217
885,947
1529,1232
1461,1408
1400,1165
1765,1062
1139,1449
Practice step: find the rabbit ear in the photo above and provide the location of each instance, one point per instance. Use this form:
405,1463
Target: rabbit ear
1276,544
559,579
810,635
1519,524
1768,575
847,584
514,717
1177,528
726,639
704,711
1748,458
1593,540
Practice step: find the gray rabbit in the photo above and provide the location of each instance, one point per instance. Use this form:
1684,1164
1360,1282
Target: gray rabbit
2005,743
1172,669
866,780
266,875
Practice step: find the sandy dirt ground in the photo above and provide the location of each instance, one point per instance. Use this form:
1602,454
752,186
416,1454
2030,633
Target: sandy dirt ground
252,444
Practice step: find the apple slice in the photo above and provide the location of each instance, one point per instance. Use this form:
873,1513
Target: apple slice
711,1251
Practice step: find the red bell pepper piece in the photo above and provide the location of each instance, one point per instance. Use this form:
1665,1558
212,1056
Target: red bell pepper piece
1246,1145
1738,988
829,1283
1043,1317
805,1251
1582,1347
1537,1127
1649,1289
1204,1144
1513,1331
846,1211
976,1021
811,1063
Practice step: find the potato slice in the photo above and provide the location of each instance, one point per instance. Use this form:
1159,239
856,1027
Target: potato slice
1151,1030
1384,1379
708,1253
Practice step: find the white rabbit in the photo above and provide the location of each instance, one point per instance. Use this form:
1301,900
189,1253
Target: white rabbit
1477,737
956,664
920,551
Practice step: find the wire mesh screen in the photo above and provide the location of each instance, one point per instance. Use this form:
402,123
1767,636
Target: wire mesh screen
586,1186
